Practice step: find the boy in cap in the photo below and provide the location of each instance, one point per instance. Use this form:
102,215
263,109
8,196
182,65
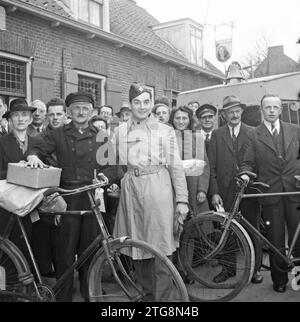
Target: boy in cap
146,210
76,146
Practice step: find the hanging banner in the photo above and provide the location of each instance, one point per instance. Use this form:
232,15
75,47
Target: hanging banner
223,49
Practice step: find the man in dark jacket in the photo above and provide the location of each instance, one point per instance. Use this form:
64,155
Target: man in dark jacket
273,155
76,147
226,150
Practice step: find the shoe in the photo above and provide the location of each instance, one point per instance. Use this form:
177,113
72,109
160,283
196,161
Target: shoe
280,288
223,276
257,278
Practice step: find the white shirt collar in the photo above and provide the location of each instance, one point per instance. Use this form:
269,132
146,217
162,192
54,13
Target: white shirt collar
269,126
205,133
236,129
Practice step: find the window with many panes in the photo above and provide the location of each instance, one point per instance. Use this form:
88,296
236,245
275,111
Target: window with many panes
92,85
12,77
90,11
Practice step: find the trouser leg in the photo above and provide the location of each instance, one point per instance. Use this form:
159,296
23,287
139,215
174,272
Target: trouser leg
89,231
251,211
68,238
275,231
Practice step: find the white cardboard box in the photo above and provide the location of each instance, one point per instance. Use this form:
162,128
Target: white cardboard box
17,173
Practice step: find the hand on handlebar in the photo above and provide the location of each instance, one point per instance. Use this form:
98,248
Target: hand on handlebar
245,178
102,178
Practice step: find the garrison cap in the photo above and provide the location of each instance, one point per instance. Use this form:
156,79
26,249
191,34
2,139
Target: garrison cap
136,90
80,97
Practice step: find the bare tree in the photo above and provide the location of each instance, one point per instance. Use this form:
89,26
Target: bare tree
252,59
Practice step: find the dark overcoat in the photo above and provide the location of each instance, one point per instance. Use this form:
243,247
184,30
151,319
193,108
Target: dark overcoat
261,153
225,162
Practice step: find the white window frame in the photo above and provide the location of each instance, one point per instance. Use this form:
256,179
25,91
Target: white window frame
28,63
75,9
95,76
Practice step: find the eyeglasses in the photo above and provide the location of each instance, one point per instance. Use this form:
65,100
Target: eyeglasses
105,113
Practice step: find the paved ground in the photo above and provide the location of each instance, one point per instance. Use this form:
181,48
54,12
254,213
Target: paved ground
252,293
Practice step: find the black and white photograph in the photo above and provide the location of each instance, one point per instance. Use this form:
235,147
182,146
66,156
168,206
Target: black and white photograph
150,153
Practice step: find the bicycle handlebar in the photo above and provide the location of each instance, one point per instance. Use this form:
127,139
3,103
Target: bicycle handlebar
61,191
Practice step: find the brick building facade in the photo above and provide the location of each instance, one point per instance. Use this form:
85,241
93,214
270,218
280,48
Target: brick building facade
46,53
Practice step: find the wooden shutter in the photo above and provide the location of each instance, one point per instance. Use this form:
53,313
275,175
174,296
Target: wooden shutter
70,82
113,95
42,82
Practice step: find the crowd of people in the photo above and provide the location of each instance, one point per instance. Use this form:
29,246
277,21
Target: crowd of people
154,143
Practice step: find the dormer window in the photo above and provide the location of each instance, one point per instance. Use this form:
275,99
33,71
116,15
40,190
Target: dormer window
90,11
196,46
186,35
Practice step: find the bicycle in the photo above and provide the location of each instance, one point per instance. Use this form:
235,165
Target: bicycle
112,274
215,240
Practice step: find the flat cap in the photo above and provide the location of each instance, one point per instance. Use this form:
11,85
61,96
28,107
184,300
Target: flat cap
79,97
206,108
136,90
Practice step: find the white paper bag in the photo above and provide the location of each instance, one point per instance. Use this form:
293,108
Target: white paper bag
193,167
18,199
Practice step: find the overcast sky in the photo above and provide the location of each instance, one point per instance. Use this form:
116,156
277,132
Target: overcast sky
278,21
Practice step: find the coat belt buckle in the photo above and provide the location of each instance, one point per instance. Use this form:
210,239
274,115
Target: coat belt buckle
136,172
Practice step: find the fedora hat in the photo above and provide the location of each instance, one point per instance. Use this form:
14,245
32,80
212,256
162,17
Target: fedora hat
18,104
231,101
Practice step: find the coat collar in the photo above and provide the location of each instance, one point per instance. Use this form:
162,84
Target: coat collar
70,129
265,137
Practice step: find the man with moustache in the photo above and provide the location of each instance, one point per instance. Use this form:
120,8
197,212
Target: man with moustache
225,153
76,146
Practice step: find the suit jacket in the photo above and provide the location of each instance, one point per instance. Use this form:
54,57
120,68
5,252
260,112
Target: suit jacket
10,151
223,164
31,130
261,154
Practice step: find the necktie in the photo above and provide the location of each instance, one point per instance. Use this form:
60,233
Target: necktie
233,135
274,130
38,129
207,137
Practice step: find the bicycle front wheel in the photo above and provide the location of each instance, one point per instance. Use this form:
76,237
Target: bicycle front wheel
15,275
220,276
134,272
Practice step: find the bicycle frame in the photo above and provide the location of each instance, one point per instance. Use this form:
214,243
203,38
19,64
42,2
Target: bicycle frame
102,240
236,214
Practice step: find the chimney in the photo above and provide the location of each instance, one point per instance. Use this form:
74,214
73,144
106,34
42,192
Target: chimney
275,51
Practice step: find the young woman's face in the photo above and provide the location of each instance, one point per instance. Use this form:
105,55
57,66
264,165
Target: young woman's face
181,120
